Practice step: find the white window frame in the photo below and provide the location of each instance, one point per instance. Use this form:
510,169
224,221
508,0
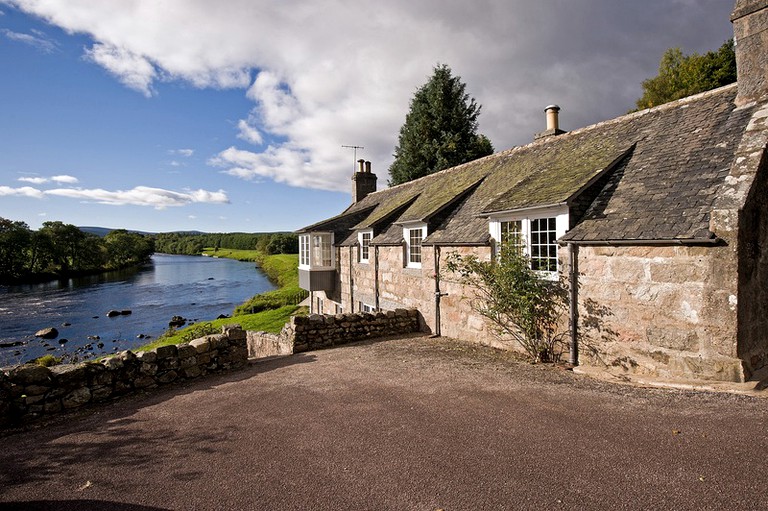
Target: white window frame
364,307
304,251
407,231
526,218
365,249
313,249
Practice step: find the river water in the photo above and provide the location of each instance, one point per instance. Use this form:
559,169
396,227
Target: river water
196,288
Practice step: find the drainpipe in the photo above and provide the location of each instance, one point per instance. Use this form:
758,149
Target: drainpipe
351,280
438,294
573,277
376,276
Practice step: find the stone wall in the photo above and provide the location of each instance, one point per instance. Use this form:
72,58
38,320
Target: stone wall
307,333
29,391
656,310
659,310
415,288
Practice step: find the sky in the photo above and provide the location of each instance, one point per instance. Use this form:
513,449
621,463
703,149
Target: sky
165,115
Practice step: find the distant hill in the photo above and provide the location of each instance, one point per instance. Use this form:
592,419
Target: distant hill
103,231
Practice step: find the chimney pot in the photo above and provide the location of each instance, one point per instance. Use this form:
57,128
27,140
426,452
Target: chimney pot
552,117
361,165
363,181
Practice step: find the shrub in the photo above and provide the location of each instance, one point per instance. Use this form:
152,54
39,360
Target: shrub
519,302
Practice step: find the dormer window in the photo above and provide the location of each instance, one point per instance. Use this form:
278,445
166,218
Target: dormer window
316,250
364,239
534,232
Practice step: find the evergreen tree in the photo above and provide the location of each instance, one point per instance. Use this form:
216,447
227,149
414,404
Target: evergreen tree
682,75
440,130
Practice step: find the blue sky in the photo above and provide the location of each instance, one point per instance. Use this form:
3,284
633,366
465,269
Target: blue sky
179,115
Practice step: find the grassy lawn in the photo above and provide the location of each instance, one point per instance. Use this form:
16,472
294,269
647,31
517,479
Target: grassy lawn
267,321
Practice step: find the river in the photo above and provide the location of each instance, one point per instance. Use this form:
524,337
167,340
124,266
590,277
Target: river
196,288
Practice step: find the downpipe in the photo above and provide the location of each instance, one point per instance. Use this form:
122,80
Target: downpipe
438,293
573,278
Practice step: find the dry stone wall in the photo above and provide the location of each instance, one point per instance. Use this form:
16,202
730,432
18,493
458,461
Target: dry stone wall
29,391
317,331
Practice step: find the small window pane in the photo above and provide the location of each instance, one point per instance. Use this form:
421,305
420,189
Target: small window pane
414,249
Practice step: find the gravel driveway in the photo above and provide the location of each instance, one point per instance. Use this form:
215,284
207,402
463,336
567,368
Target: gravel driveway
412,423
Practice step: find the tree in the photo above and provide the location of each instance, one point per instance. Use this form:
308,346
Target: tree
440,130
518,301
683,75
15,239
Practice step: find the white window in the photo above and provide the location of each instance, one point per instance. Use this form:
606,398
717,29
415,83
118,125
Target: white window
543,244
364,307
364,238
338,308
535,232
413,238
304,250
512,234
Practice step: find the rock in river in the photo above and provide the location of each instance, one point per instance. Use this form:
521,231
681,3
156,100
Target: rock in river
47,333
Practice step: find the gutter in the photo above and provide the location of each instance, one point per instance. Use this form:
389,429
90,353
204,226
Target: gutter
610,243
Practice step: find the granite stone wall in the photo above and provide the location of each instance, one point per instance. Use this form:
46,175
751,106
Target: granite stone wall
29,391
307,333
657,310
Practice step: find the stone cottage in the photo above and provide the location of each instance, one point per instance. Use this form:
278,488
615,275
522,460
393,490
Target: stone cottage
658,218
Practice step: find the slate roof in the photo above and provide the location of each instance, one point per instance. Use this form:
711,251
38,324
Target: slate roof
647,176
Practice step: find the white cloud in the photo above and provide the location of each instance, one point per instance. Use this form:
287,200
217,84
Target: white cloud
39,40
34,180
249,133
174,163
192,217
64,179
38,180
157,198
333,73
133,70
182,152
24,191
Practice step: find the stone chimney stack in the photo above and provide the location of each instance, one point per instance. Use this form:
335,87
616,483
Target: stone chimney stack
363,181
553,123
750,34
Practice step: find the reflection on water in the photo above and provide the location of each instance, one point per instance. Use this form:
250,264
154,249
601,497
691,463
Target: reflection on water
197,288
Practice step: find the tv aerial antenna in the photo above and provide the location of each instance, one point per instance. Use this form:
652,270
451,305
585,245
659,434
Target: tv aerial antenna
354,157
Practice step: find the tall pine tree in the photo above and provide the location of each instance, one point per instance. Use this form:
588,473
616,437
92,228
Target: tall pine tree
440,130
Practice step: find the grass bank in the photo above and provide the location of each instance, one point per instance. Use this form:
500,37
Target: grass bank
266,321
281,269
266,312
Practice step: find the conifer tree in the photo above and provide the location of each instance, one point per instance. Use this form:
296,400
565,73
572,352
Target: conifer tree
440,130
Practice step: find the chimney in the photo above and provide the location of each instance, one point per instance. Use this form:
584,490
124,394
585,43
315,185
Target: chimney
363,181
553,123
750,35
